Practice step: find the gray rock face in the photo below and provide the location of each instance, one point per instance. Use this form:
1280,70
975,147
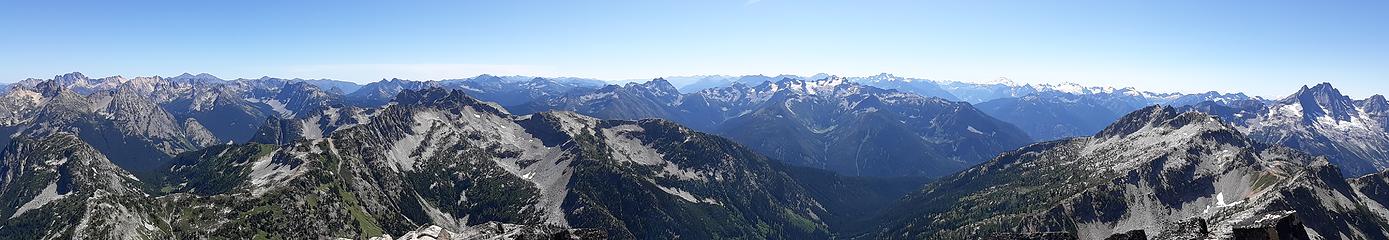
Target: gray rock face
222,111
76,82
1152,170
1272,226
58,187
311,126
128,128
440,157
230,110
279,131
1320,121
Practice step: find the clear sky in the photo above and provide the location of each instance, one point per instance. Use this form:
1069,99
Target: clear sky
1266,48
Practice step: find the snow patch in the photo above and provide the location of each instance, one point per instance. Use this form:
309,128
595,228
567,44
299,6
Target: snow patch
824,130
625,148
399,154
275,105
264,172
687,196
49,194
975,131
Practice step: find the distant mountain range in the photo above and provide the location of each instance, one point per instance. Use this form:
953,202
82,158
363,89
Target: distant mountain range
748,157
831,123
508,91
1044,111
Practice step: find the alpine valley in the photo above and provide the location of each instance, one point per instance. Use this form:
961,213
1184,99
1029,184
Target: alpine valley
195,156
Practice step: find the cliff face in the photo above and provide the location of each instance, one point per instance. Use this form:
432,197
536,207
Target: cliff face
1156,170
440,157
59,187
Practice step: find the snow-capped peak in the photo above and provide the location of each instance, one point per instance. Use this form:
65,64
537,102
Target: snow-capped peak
1322,100
812,87
885,77
1005,81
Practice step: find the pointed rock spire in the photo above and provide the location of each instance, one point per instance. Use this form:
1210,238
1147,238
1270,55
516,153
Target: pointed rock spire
1322,100
1375,104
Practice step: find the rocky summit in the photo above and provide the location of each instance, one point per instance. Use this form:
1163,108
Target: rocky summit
1320,120
1159,172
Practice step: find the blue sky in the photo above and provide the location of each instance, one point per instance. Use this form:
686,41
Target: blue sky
1265,48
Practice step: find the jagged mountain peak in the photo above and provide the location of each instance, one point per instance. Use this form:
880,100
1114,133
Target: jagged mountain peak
1167,166
198,77
115,79
50,88
827,85
439,97
393,80
1319,120
1161,117
1375,103
69,188
1322,100
298,86
1323,89
68,78
658,86
659,83
1376,98
299,90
